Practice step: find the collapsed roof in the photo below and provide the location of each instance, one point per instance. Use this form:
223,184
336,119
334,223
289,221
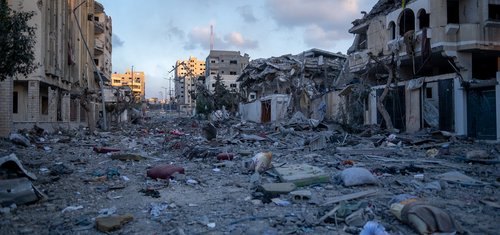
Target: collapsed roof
314,70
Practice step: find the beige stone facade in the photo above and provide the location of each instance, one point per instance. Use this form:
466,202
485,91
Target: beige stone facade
186,73
136,80
50,96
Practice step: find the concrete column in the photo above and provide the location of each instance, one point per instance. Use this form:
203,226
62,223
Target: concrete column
497,94
33,101
53,102
65,107
412,102
6,91
78,111
460,99
372,102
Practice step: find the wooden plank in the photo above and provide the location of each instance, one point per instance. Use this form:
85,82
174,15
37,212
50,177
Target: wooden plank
350,196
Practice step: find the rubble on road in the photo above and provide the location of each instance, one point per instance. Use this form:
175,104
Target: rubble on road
298,176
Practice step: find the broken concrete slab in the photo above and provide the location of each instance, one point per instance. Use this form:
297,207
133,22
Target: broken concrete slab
19,139
459,178
18,191
274,189
110,223
302,174
301,195
12,164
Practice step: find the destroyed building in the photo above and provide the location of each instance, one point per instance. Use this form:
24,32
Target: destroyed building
290,83
438,62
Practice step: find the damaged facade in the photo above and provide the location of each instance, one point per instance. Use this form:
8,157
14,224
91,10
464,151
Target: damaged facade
226,64
443,58
306,79
186,73
64,89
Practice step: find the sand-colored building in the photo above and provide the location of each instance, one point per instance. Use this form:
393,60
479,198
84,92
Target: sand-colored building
136,80
64,89
186,74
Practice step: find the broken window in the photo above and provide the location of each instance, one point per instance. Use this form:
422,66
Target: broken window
423,19
392,30
453,11
406,21
15,102
428,92
494,12
232,85
213,85
45,105
232,72
212,61
233,62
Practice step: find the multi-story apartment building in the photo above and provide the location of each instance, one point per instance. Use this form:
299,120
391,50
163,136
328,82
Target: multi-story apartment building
102,47
136,80
443,58
226,64
187,73
63,89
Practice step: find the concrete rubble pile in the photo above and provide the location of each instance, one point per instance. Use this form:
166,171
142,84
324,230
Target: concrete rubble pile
311,73
165,176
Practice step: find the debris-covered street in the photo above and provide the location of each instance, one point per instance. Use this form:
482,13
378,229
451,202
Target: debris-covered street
320,179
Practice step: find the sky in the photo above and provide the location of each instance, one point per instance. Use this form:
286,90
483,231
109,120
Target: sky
151,35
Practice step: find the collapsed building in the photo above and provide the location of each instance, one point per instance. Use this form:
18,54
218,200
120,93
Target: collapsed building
278,86
430,64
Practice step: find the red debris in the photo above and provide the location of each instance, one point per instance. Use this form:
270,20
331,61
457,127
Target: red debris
225,156
164,171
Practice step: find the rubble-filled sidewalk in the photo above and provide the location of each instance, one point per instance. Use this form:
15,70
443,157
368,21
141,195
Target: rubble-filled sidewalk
164,177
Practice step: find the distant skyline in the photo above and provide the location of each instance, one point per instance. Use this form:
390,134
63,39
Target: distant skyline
151,35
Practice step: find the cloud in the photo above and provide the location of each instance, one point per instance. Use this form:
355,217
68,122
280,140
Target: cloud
117,42
247,13
236,39
200,37
316,36
174,32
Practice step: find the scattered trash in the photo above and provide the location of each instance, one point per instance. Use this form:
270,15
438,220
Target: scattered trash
373,228
164,171
432,152
424,218
191,181
260,162
71,208
357,176
280,202
225,156
107,211
157,208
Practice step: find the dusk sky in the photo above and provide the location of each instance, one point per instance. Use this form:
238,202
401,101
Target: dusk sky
151,35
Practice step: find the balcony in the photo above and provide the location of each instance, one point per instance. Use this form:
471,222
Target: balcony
98,27
99,47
